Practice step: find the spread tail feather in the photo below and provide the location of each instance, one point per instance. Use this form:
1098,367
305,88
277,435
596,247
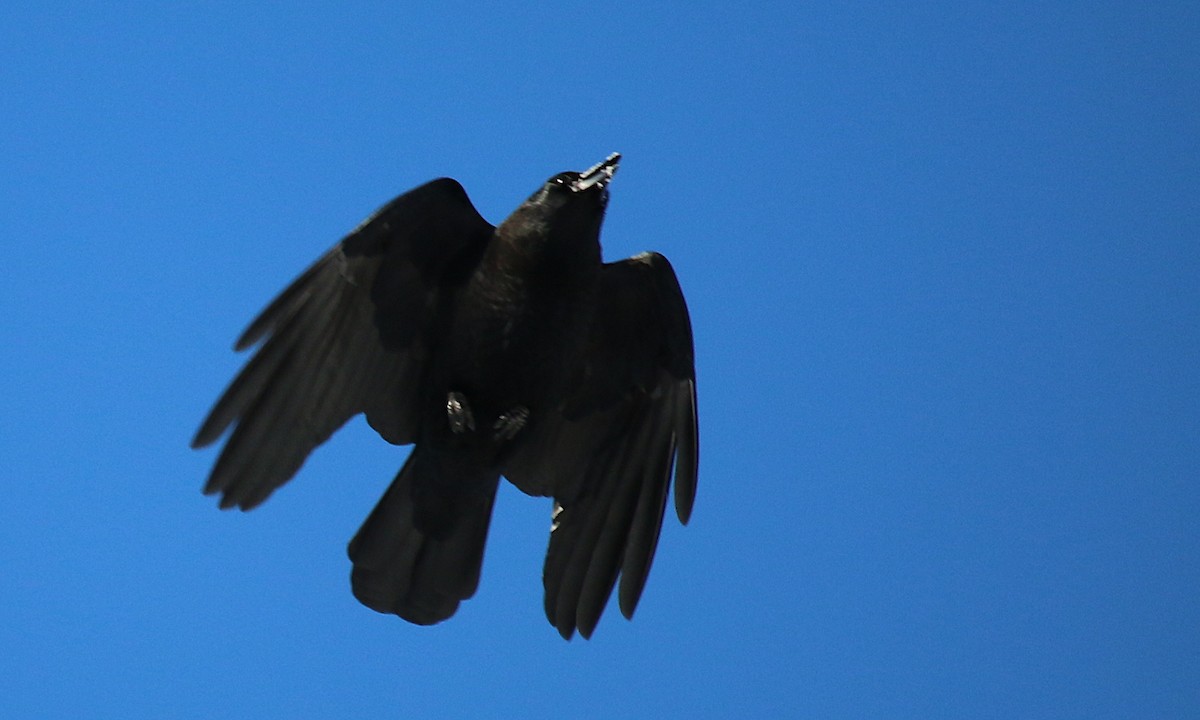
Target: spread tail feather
415,566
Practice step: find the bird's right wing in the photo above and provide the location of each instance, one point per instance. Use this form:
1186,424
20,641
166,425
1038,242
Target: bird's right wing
610,455
349,336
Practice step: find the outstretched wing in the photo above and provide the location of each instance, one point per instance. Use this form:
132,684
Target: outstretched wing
608,459
349,336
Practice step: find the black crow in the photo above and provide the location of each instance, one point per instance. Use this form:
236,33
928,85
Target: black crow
510,350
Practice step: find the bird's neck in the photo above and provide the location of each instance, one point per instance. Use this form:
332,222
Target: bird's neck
537,253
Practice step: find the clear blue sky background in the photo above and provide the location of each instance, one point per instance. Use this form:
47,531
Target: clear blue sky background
943,262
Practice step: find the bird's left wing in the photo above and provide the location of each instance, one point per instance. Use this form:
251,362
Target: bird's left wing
349,336
608,458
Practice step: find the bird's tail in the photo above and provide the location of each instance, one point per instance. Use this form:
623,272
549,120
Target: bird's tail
419,553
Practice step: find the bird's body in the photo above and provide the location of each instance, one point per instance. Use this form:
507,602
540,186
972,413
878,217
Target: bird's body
519,324
507,351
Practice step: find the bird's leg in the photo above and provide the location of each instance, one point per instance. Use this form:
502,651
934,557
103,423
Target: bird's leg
510,423
459,414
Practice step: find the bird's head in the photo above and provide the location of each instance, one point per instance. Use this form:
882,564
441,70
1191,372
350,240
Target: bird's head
587,189
571,202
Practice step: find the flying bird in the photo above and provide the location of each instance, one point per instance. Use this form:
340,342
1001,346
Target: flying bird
509,351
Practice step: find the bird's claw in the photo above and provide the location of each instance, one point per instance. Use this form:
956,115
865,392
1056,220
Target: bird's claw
459,414
510,423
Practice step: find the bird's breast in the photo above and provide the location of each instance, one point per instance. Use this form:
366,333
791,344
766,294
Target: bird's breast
515,341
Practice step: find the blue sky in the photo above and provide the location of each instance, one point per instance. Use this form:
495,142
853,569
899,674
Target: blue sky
942,265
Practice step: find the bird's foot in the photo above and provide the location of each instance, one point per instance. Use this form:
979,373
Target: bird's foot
510,423
459,414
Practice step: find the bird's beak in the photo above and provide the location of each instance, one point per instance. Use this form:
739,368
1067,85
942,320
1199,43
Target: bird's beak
598,174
